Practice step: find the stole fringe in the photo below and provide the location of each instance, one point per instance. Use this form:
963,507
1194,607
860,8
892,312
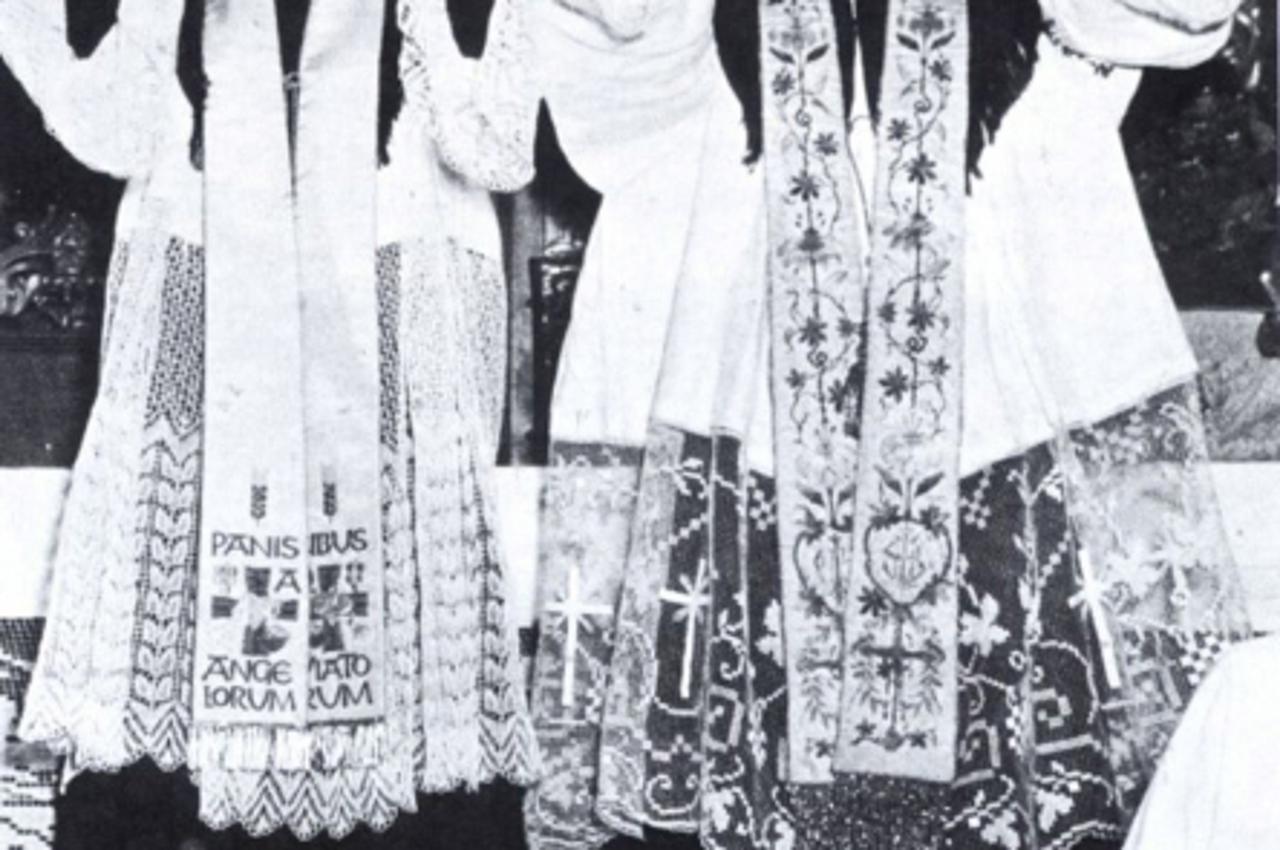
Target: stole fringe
453,757
258,749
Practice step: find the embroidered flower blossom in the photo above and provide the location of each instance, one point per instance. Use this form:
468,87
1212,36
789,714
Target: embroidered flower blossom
898,130
928,23
922,169
804,186
921,316
896,384
813,331
783,83
826,144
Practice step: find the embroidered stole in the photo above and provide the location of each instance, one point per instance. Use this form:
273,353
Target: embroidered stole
899,715
816,293
865,376
289,662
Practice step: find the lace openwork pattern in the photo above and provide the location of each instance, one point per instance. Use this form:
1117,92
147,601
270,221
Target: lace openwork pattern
481,113
115,681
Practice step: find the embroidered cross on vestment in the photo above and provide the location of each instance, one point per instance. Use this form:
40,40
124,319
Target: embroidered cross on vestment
690,599
576,613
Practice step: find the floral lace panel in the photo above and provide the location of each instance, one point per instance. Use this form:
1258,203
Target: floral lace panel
588,503
1158,579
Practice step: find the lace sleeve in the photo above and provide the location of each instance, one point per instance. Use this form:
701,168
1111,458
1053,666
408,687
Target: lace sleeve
482,114
1167,33
106,110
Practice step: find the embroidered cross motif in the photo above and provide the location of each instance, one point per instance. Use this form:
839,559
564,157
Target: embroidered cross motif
893,663
690,598
1092,595
575,611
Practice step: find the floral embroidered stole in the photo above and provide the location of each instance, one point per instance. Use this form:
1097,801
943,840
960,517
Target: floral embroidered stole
866,392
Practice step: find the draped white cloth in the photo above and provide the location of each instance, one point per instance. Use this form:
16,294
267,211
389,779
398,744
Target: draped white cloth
651,123
1216,787
1068,319
1068,316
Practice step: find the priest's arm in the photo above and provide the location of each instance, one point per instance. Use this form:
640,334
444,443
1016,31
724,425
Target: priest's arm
110,108
1162,33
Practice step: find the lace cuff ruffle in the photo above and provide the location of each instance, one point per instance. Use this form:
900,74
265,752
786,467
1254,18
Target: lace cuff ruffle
1160,33
481,113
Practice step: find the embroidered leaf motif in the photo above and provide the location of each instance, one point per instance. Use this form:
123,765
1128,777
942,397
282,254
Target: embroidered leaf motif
1051,805
929,483
770,645
982,630
889,481
1003,831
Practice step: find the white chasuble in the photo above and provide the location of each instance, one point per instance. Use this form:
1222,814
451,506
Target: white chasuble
289,665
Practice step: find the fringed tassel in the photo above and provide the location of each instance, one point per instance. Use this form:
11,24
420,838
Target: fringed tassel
257,749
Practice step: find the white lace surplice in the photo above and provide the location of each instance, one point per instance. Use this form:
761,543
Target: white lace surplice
113,683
